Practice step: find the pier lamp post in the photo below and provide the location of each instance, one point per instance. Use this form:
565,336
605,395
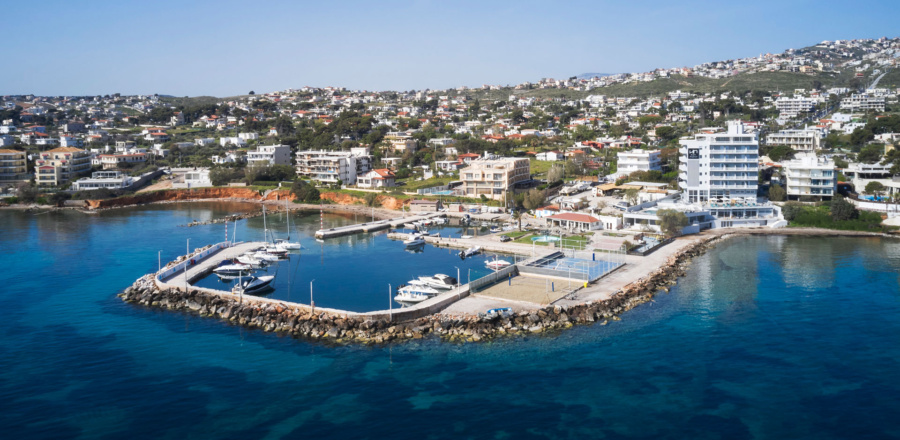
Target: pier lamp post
312,304
159,261
390,303
457,282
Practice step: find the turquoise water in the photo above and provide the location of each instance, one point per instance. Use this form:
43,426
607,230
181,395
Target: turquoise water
766,337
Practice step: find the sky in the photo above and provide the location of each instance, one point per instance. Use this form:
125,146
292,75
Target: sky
226,48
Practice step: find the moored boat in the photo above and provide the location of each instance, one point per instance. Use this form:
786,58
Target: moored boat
414,294
439,281
497,264
469,252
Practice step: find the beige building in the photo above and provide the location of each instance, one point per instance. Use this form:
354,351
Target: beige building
493,177
13,166
113,161
60,165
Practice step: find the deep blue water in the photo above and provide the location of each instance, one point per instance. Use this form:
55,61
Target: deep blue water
766,337
354,272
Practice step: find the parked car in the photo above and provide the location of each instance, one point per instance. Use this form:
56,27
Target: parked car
505,238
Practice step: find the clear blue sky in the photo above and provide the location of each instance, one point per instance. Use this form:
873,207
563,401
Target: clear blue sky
225,48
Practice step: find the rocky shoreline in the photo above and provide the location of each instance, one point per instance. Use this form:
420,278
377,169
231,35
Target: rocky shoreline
301,322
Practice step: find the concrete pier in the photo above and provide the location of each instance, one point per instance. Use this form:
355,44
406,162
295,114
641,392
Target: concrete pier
374,226
204,266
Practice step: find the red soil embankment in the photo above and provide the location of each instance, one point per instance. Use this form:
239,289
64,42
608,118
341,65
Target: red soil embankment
232,193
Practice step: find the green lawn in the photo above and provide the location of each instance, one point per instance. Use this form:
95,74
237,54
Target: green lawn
540,166
413,185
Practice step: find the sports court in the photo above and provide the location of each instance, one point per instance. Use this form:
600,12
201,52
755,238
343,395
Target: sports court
529,289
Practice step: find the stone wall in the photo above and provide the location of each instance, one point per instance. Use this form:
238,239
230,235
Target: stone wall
299,321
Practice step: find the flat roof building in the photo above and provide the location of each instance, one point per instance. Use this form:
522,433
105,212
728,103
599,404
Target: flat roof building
493,178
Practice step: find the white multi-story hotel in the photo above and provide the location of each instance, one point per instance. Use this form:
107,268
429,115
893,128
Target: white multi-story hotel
719,173
332,166
862,102
637,160
800,140
492,178
810,176
270,155
59,165
791,107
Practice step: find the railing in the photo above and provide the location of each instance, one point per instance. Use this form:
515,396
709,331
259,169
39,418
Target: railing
182,266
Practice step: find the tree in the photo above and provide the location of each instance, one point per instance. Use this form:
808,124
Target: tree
870,153
874,187
252,93
666,133
777,193
27,193
790,210
671,222
370,199
631,195
304,192
841,209
517,216
780,153
533,199
59,198
555,173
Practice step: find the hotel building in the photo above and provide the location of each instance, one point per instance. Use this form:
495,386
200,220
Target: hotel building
333,166
492,178
60,165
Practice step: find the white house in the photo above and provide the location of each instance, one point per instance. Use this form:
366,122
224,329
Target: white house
377,178
550,155
270,155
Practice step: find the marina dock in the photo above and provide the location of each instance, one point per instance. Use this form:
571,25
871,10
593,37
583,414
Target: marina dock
374,226
186,273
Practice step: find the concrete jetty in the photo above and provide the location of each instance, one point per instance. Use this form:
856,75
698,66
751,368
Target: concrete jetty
204,262
374,226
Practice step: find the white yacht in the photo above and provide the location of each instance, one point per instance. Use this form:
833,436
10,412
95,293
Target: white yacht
414,240
439,281
414,294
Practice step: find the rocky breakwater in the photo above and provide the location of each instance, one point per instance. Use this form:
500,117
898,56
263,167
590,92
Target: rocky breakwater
300,321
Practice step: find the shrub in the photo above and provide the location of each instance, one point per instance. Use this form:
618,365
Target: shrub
791,209
776,193
304,192
841,209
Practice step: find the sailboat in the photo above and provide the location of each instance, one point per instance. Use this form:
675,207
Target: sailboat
286,243
271,248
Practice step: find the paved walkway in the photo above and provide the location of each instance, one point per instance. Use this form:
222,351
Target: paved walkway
373,226
209,263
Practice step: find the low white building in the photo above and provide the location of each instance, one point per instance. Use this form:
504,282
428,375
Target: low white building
550,156
204,141
810,176
191,178
248,136
377,178
103,179
861,174
270,155
637,160
235,141
791,107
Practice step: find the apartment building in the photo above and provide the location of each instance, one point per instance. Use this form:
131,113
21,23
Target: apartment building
494,177
800,140
637,160
810,176
719,173
791,107
270,155
861,174
113,161
862,102
60,165
13,167
332,166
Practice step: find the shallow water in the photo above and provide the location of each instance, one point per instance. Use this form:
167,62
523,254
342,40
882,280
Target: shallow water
766,337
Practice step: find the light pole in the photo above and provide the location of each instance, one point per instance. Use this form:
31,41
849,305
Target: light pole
312,303
159,262
187,248
457,282
390,303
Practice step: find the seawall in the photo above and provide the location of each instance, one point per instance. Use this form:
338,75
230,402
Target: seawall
299,321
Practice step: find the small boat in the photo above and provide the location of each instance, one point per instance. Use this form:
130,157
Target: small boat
276,251
440,221
252,284
251,261
409,225
439,281
497,264
228,267
414,240
469,252
414,294
287,245
267,257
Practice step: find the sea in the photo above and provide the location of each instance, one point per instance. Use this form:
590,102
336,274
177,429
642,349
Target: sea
765,337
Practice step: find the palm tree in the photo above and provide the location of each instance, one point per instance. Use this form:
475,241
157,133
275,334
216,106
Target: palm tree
517,215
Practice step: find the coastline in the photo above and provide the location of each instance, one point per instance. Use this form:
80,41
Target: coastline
299,321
